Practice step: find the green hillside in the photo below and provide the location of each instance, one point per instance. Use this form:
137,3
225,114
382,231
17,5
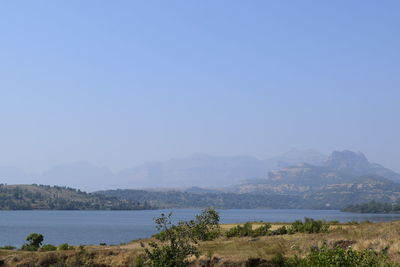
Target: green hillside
44,197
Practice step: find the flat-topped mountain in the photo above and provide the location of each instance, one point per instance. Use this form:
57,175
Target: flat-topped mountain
341,167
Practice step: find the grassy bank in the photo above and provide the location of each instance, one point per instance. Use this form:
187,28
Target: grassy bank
382,238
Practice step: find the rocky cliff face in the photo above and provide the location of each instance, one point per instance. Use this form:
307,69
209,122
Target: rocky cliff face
341,172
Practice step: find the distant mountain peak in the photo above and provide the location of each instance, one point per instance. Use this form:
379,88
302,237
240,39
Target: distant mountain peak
347,160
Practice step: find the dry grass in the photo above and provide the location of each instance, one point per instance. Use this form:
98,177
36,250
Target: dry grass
380,237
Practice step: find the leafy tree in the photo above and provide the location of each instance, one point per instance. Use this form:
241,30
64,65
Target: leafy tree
34,242
178,242
177,245
205,226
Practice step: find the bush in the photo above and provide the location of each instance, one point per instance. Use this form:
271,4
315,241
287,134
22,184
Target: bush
65,246
247,230
139,261
8,247
178,241
48,247
309,226
240,231
27,247
34,242
204,227
262,230
280,231
333,257
345,257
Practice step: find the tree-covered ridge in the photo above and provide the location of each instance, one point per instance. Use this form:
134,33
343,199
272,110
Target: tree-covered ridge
44,197
374,207
333,197
178,199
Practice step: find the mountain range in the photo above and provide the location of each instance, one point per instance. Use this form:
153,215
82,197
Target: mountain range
293,180
200,170
344,178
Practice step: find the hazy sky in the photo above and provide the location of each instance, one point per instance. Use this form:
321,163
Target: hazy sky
117,83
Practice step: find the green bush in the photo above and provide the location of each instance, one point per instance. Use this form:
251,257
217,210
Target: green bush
345,257
65,246
8,247
139,261
336,257
178,242
27,247
48,247
263,230
240,231
280,231
247,230
34,242
309,226
204,227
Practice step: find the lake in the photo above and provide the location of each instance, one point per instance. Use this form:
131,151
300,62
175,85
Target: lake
115,227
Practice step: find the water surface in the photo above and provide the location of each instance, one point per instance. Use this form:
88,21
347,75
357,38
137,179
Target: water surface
115,227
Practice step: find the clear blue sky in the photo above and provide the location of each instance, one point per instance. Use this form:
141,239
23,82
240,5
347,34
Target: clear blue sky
117,83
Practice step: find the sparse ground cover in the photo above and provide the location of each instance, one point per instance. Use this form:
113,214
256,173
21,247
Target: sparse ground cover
380,238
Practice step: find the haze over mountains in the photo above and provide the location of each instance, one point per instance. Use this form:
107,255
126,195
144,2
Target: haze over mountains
195,170
343,179
297,179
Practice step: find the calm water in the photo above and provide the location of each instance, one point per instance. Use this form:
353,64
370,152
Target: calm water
114,227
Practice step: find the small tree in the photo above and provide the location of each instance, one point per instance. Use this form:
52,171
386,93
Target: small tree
34,241
178,242
205,226
176,246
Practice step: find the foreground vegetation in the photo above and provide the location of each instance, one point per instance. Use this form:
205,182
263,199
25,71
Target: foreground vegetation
204,242
29,197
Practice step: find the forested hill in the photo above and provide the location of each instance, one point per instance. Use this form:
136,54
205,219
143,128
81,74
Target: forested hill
43,197
178,199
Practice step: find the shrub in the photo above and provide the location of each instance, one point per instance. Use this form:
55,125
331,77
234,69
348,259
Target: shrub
8,247
176,247
27,247
280,231
139,261
345,257
240,231
309,226
65,246
48,247
34,242
333,257
262,230
204,227
247,230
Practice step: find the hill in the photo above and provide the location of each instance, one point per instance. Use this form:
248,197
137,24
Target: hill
29,197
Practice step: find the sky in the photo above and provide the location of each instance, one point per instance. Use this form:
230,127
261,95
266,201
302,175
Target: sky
118,83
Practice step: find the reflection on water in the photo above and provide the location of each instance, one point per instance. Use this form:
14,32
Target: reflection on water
114,227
